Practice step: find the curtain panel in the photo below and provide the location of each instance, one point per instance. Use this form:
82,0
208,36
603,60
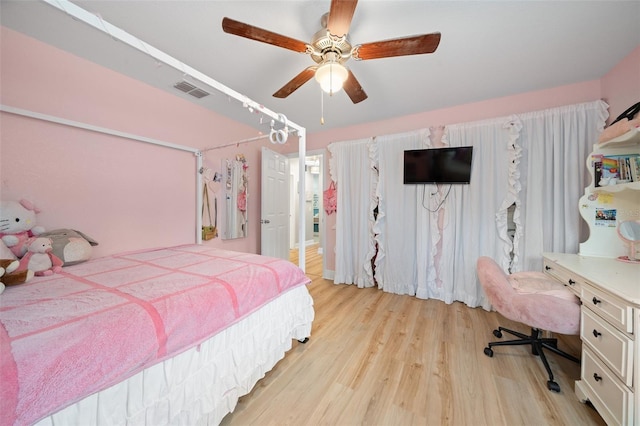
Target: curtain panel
353,170
402,244
556,143
474,215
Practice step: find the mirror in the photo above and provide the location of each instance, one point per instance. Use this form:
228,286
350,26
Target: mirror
236,183
629,232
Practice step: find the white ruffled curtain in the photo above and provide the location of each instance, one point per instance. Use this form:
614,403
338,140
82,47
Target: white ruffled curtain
400,241
474,215
352,169
556,143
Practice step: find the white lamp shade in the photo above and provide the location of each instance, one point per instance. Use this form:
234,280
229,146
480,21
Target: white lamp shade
331,76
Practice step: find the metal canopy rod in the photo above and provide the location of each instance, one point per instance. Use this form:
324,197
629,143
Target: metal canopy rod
255,138
85,126
123,36
92,128
116,33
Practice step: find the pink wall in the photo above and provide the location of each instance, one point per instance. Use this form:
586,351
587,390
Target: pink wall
127,195
621,85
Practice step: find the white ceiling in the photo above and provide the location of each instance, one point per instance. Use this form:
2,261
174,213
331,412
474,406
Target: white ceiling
489,49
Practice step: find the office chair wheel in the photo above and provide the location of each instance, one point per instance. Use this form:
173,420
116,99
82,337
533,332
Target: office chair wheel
497,333
553,386
488,352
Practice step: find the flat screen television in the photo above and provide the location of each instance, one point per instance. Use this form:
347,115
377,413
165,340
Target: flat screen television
438,165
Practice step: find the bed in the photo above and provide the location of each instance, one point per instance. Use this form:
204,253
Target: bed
165,336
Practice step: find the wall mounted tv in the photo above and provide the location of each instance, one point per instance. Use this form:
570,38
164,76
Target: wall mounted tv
438,165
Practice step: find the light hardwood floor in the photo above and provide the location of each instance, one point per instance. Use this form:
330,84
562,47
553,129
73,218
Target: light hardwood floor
376,358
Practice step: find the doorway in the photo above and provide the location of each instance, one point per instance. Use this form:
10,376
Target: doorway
312,193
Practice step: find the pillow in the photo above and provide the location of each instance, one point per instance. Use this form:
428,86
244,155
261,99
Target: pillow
70,246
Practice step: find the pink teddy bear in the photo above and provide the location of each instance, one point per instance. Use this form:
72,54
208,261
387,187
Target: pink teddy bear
39,258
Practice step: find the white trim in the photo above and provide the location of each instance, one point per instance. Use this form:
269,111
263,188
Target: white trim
328,274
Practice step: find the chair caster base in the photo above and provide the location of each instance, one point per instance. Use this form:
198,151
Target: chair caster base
553,386
497,333
488,352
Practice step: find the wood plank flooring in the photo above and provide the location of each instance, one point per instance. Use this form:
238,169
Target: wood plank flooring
376,358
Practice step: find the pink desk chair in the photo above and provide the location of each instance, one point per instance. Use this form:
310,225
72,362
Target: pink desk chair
535,300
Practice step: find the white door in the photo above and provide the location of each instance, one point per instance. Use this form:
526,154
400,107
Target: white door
274,220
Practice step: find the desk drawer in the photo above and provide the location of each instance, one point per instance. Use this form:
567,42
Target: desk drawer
609,307
612,346
611,398
570,280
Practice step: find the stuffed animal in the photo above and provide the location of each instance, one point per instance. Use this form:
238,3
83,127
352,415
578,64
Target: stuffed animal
39,258
18,224
70,246
5,252
10,276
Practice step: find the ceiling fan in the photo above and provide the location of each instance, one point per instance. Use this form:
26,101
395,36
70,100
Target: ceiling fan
330,49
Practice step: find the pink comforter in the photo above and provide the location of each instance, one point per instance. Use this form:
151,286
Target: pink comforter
68,335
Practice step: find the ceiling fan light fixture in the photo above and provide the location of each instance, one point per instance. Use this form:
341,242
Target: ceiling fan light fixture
331,76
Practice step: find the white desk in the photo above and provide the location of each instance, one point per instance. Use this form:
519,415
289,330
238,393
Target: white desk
610,317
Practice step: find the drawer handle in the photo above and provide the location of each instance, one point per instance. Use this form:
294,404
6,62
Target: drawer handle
596,377
571,282
596,333
547,267
595,301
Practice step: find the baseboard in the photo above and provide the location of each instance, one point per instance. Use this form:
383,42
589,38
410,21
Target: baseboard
306,243
328,274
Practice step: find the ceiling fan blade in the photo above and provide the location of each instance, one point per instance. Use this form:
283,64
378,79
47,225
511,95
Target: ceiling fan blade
340,16
353,89
414,45
296,82
254,33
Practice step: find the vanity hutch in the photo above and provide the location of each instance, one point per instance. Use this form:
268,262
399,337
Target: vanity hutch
608,284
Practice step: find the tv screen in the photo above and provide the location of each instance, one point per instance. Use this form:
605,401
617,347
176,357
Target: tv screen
438,165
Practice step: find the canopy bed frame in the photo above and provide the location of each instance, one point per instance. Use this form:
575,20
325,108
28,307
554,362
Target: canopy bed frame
202,325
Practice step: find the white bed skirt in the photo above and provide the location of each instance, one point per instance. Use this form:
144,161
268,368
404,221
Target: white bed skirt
203,384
